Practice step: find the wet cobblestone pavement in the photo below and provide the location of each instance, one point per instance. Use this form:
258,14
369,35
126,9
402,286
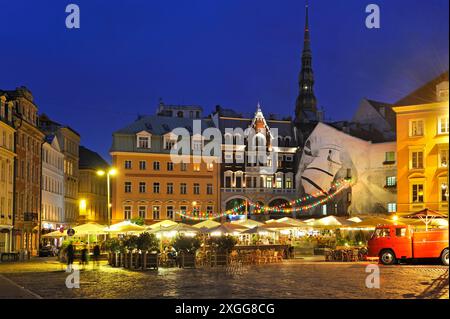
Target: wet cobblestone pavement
290,279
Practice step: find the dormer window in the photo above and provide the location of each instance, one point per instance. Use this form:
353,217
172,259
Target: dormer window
143,140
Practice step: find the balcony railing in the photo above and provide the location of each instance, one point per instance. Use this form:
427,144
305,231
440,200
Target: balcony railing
259,190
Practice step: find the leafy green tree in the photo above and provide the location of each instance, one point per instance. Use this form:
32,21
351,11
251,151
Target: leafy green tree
113,245
130,242
186,244
224,243
147,242
138,221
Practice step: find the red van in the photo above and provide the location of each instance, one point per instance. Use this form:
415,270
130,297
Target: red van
392,243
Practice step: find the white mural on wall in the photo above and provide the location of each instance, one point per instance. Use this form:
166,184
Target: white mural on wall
330,154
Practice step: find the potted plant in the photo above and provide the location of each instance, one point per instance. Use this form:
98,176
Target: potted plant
147,243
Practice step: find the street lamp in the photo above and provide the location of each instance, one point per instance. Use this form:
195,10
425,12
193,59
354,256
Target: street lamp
110,172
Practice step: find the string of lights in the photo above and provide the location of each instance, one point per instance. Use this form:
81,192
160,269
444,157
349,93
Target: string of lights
338,187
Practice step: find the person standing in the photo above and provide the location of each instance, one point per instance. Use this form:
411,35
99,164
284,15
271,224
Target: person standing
96,255
70,251
84,256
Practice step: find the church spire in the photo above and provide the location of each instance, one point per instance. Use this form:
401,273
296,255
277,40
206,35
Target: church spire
306,105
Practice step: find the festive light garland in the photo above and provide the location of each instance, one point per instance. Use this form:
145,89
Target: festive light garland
339,186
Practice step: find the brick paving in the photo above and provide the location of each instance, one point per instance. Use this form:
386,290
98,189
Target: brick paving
291,279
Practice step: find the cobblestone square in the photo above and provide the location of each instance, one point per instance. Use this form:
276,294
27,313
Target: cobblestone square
46,278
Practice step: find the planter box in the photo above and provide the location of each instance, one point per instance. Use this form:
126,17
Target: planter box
187,260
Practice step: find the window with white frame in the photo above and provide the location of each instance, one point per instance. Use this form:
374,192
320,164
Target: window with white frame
142,212
269,182
416,159
288,182
391,181
389,157
156,166
183,188
443,157
169,188
142,165
392,207
169,212
443,125
155,188
416,128
209,189
156,212
196,189
127,212
170,166
127,164
142,187
417,193
143,142
127,187
443,191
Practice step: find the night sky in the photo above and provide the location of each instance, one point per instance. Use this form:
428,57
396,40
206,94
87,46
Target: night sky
128,54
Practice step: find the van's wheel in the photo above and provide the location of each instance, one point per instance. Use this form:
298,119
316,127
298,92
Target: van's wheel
387,257
444,257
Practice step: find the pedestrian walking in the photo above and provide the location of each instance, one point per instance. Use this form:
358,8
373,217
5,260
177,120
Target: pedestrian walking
96,252
84,257
70,252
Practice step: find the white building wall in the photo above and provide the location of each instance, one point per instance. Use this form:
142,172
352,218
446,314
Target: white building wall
52,186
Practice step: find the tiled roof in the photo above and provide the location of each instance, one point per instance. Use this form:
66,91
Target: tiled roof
160,125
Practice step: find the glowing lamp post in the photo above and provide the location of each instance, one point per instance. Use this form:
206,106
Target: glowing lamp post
109,173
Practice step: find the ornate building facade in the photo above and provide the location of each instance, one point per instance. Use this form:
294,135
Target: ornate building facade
244,177
69,142
28,143
149,184
7,158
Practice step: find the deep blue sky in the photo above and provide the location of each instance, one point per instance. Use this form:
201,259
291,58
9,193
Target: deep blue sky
235,53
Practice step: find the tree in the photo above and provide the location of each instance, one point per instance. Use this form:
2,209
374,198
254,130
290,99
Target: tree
147,242
225,243
130,242
113,245
186,244
138,221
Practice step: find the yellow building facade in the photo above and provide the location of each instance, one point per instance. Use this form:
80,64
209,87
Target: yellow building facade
154,188
422,152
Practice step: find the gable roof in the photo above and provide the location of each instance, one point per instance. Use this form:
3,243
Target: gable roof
424,94
90,159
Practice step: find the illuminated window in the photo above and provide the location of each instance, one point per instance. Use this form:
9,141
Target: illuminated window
443,157
279,182
196,167
444,192
389,157
269,182
142,212
443,125
392,207
210,166
417,193
324,209
142,187
416,128
288,182
156,210
127,212
391,181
